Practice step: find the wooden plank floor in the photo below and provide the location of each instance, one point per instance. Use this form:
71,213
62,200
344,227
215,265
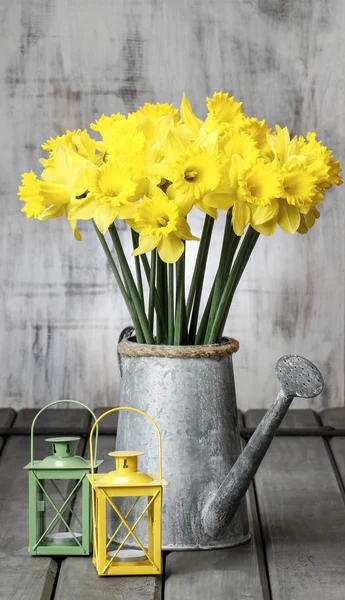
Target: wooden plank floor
297,515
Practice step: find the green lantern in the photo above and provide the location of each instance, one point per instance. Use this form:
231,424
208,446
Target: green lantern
59,522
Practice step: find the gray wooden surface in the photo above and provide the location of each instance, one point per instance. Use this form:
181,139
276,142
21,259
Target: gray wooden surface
302,515
21,576
63,65
297,515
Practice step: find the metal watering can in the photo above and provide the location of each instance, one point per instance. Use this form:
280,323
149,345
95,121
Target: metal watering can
192,398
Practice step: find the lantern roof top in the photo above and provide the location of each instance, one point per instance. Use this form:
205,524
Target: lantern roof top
63,456
101,480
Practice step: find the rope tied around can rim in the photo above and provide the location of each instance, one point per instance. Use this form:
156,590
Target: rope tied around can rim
130,348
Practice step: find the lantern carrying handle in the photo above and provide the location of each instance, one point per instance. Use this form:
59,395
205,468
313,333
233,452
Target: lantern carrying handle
59,402
140,412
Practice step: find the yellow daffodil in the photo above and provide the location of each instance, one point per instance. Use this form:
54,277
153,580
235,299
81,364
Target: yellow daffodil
316,153
225,109
298,182
154,112
161,225
65,140
58,190
241,143
307,221
30,193
104,125
191,123
258,182
112,193
258,131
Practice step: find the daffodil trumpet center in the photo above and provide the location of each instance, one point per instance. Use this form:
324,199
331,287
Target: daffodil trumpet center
190,175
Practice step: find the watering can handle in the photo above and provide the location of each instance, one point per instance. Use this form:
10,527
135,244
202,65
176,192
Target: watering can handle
140,412
52,404
126,333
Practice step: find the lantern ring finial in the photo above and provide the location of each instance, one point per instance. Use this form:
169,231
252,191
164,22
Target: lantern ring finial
136,410
52,404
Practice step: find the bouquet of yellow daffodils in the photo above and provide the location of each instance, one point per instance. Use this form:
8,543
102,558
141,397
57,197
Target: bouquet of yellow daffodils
151,169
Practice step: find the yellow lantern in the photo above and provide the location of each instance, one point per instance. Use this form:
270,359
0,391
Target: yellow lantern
127,482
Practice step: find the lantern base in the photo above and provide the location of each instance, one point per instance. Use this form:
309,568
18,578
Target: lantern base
129,555
64,538
236,541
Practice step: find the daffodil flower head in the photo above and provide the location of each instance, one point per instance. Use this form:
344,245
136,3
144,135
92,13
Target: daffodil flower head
308,220
298,182
315,150
241,143
225,109
112,184
30,193
258,182
104,125
196,172
66,140
155,112
259,131
161,226
126,138
156,216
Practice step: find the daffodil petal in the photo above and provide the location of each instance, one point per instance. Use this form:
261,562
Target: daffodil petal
76,233
132,224
84,209
183,230
188,117
212,212
52,212
170,248
146,244
288,218
184,203
267,228
103,216
209,141
126,211
175,145
55,193
262,214
220,200
240,217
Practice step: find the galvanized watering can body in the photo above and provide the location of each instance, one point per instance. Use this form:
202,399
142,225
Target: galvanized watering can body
193,401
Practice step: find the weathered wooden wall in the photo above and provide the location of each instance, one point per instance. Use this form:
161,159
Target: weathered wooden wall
65,63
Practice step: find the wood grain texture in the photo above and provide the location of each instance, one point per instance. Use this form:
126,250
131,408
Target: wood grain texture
63,65
24,576
336,418
302,515
7,416
78,577
234,573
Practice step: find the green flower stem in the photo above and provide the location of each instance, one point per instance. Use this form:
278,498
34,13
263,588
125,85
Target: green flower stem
229,247
152,287
240,263
139,307
205,319
163,296
135,240
171,305
200,264
181,332
129,304
198,277
158,303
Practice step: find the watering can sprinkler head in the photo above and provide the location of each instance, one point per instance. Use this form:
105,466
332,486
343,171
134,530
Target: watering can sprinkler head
298,378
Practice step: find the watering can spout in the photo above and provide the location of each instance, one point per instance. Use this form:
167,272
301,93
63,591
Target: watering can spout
298,378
